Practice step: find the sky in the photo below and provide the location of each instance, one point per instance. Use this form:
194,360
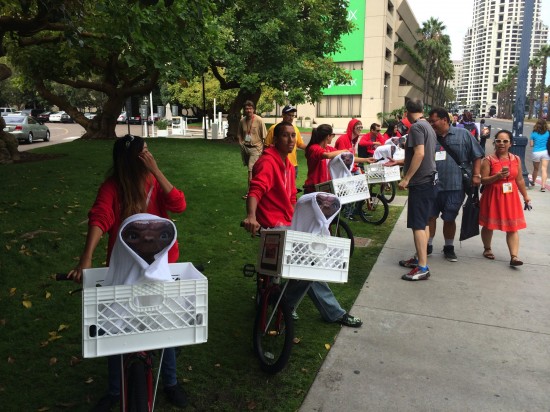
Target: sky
457,16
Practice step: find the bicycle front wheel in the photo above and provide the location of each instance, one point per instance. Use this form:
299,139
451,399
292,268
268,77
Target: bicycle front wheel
388,190
273,332
339,228
375,210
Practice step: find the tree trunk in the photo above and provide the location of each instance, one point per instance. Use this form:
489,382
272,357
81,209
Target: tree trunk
103,125
532,92
542,87
234,114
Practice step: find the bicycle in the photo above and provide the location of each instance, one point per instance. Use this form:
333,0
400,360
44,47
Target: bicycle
138,319
374,210
339,228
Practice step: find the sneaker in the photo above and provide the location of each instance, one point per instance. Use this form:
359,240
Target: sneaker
417,274
106,403
349,320
295,315
176,395
409,263
430,249
449,252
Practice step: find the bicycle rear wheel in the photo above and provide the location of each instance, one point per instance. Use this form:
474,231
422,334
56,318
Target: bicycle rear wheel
375,210
339,228
273,332
137,388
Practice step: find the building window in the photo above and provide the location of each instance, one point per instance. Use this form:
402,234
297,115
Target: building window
339,106
388,55
390,7
389,31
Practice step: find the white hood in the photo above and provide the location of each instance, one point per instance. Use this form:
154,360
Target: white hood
339,168
127,267
308,216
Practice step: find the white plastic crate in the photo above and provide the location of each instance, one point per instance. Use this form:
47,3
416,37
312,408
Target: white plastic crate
130,318
299,255
348,189
378,173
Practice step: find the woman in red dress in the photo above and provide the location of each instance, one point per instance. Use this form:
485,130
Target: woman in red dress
500,205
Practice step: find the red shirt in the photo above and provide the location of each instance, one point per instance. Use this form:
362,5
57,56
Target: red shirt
273,185
317,165
345,142
367,141
105,212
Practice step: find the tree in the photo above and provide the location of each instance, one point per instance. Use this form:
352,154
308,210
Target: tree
433,47
282,44
100,46
543,54
505,91
534,64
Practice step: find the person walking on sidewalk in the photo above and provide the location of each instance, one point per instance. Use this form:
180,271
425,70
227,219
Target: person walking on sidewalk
500,206
251,134
450,189
419,177
539,143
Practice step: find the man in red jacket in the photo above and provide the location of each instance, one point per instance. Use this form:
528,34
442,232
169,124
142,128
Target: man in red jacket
270,203
272,192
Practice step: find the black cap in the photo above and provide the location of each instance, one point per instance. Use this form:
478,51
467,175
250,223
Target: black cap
289,109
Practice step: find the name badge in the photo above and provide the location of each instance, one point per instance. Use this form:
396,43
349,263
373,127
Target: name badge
441,155
507,187
247,138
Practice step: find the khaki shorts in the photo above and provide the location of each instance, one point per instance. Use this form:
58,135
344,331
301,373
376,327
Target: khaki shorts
249,155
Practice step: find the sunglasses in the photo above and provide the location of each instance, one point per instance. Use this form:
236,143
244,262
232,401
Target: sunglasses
501,141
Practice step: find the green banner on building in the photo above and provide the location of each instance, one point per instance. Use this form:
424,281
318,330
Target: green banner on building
355,86
354,42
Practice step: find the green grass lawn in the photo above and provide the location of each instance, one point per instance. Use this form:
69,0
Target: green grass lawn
43,207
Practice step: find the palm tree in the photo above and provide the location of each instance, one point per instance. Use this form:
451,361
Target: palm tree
543,54
432,46
534,63
505,91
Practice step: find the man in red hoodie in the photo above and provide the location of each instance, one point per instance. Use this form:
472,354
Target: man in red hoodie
272,192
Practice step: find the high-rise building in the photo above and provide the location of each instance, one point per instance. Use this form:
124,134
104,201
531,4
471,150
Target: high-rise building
492,47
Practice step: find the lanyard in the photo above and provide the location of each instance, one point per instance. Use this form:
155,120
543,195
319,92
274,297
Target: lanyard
249,127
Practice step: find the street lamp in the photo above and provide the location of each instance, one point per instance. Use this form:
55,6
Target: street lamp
144,113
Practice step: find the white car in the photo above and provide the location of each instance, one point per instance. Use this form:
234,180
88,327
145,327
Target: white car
122,118
56,117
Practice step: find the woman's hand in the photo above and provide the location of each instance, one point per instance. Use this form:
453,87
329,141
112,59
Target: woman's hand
76,273
149,161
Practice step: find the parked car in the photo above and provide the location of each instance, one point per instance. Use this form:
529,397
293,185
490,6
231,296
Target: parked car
153,119
65,118
89,115
32,112
44,117
26,128
56,117
122,118
134,119
6,110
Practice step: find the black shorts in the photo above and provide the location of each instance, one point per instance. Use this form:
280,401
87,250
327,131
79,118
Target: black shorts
420,205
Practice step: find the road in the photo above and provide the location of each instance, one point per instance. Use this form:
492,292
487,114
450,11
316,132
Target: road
66,132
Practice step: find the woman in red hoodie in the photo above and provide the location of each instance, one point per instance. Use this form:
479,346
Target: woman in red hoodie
318,153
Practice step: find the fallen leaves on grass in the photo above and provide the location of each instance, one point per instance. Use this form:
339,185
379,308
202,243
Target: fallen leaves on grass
327,346
74,361
251,405
12,291
89,380
11,360
27,304
33,234
48,295
43,409
53,361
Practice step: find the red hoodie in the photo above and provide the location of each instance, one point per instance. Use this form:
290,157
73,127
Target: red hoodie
273,185
345,141
367,141
317,165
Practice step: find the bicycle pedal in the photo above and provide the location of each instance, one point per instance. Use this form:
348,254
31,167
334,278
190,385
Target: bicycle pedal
249,270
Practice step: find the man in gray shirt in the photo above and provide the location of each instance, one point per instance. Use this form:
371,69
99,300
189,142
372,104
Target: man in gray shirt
453,143
419,177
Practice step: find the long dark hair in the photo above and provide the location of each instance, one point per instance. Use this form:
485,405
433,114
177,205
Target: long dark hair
319,134
129,174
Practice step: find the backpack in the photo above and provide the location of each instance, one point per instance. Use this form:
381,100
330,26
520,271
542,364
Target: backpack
471,127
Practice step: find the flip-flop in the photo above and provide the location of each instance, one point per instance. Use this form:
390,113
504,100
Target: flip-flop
488,254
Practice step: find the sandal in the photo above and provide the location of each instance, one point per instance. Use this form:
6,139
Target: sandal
542,189
351,321
488,253
514,261
531,182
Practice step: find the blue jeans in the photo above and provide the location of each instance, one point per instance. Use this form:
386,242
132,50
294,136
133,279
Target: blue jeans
168,371
320,294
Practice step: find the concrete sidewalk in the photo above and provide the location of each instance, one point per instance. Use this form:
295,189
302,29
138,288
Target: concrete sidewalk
474,337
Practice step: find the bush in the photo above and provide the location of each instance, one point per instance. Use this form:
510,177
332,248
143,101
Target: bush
162,124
